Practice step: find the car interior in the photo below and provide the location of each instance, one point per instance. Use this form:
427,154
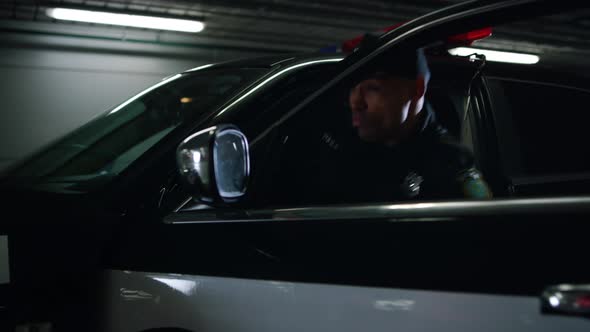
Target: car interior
314,138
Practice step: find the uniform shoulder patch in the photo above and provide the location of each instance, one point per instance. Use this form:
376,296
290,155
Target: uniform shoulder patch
473,184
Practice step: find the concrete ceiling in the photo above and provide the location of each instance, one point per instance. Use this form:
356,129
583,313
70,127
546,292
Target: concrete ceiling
269,26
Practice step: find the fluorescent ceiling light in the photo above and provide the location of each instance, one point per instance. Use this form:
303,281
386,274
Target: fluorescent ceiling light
137,21
497,56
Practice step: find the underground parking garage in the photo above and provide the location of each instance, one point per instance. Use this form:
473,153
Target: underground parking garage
282,165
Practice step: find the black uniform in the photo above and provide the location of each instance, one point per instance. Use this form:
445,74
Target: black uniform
331,167
431,165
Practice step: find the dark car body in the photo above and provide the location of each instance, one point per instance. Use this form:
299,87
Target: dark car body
532,236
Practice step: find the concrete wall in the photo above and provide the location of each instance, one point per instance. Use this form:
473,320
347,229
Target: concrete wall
51,84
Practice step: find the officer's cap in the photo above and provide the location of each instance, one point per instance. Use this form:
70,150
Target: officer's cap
408,64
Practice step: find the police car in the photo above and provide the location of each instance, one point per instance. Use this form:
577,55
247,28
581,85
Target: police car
160,215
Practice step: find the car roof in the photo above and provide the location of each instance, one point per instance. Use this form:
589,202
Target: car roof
271,61
527,72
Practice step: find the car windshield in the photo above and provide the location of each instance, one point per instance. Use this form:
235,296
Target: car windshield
101,149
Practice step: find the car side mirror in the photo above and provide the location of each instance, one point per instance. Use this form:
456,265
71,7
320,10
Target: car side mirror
215,164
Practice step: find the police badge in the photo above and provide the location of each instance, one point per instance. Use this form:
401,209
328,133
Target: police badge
410,187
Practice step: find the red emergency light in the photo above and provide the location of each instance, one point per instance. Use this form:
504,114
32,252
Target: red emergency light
464,39
468,38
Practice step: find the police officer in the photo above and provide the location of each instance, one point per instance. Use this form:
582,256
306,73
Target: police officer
405,153
385,147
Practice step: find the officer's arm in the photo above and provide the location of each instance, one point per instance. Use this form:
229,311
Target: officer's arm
468,180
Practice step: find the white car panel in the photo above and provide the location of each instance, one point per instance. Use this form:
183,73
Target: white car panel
139,301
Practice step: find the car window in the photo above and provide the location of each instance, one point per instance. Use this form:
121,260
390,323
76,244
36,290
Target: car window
100,150
256,115
320,159
550,122
535,100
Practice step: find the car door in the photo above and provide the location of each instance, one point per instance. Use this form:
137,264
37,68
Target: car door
548,158
413,266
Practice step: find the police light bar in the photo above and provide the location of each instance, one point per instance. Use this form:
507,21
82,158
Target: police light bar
136,21
497,56
464,39
470,37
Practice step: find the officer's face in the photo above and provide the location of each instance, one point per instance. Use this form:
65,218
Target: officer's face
380,107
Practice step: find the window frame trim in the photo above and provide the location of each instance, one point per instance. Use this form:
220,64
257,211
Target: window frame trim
511,157
389,212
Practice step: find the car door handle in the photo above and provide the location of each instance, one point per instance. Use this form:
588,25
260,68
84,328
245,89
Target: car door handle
567,299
